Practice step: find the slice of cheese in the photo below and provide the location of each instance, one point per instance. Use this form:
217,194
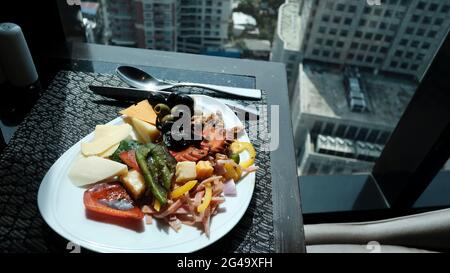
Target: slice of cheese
88,170
105,130
143,111
106,140
145,131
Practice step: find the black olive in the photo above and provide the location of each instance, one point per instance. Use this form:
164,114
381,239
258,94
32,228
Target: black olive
188,101
155,98
158,124
173,99
166,126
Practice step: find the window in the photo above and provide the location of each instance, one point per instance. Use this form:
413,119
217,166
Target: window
378,60
394,64
328,129
350,56
384,50
414,67
336,55
426,20
364,46
373,136
340,44
388,13
360,57
409,30
325,18
369,59
415,18
409,55
348,21
333,31
415,44
362,134
362,22
326,53
377,12
445,9
329,5
319,41
337,20
433,7
340,130
373,24
368,36
354,45
421,5
403,42
351,132
322,30
383,25
398,53
426,45
438,21
340,7
329,42
432,34
344,33
373,48
420,32
352,8
378,37
358,34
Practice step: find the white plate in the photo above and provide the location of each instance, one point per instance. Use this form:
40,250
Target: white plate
61,205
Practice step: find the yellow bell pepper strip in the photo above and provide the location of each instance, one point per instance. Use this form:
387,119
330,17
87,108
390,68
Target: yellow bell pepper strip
206,199
238,147
183,189
156,205
232,171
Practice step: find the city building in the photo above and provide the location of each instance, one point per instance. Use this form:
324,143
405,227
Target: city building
286,42
398,36
333,137
202,24
244,24
173,25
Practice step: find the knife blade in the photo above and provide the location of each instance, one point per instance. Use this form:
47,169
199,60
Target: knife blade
135,95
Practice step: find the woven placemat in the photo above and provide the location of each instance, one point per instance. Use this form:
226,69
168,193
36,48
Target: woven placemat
64,114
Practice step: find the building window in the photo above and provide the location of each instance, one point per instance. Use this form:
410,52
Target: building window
409,30
415,44
373,136
398,53
403,42
319,41
373,48
421,5
415,18
445,9
317,128
383,138
316,52
364,46
340,7
409,55
433,7
362,134
322,30
394,64
388,13
378,60
373,24
337,20
393,27
368,36
383,25
432,34
354,45
360,58
404,66
420,57
329,5
426,20
326,53
358,34
369,59
336,55
367,10
378,37
350,56
377,12
312,169
362,22
352,8
388,39
351,132
426,45
348,21
333,31
414,67
325,18
340,44
344,33
384,50
340,130
438,21
420,32
328,129
329,43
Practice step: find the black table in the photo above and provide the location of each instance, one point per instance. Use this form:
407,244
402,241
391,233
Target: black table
271,77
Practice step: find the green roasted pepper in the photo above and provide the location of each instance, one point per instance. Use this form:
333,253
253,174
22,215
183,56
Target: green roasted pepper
158,191
125,145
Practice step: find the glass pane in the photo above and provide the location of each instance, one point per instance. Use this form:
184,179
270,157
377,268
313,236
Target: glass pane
353,95
236,29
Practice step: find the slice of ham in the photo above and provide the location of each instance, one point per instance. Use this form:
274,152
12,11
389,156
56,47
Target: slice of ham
170,210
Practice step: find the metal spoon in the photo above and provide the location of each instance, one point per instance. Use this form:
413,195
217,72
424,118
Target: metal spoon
138,78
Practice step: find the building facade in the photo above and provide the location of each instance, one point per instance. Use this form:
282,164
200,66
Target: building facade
353,139
172,25
398,36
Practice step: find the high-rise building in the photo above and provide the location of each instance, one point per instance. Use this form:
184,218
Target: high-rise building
341,121
203,24
286,42
173,25
399,36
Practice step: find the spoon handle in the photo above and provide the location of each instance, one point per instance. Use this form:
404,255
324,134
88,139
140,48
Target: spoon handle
235,91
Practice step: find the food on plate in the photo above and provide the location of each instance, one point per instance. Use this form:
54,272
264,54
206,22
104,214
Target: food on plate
114,135
88,170
143,169
111,199
142,111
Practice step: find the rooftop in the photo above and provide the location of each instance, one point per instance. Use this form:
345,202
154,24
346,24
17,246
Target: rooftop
289,25
322,93
256,44
240,18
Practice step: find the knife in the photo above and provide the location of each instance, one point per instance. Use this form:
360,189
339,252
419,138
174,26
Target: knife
135,95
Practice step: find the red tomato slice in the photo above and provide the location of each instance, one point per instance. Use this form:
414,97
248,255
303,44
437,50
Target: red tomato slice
111,199
129,158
